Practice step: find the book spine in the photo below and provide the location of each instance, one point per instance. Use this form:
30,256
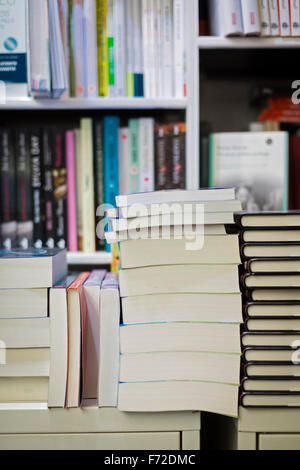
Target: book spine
295,17
274,18
159,48
179,48
71,192
111,158
178,132
78,188
167,49
129,49
265,25
8,202
111,46
229,18
162,173
124,161
90,48
146,154
60,188
50,232
24,196
120,64
37,189
78,42
138,65
151,48
250,17
99,172
102,40
134,156
87,186
64,21
72,83
284,17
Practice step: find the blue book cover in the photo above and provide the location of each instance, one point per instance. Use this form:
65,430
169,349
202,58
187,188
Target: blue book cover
111,160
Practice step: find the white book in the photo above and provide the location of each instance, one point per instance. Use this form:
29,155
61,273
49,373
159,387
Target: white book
109,342
30,362
284,17
146,154
129,48
158,56
265,24
24,389
179,47
146,49
120,47
167,49
110,25
39,48
124,164
138,59
78,43
14,48
250,17
23,303
177,195
295,17
90,48
274,17
226,17
25,333
152,48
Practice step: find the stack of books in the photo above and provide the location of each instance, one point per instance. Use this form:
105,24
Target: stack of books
181,302
25,339
270,280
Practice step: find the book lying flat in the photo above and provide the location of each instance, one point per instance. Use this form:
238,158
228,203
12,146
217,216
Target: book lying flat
271,385
261,354
178,396
24,389
269,219
210,250
161,366
31,268
25,333
270,235
274,280
272,309
269,265
273,324
271,369
180,336
23,303
274,338
177,195
270,250
30,362
182,278
291,295
182,307
271,399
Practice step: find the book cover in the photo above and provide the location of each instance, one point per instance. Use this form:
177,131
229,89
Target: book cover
162,157
120,47
178,174
78,48
295,17
111,44
284,17
250,17
129,49
179,48
90,48
63,8
60,187
50,219
167,49
134,181
255,163
265,25
24,195
274,18
71,192
124,161
102,47
37,188
146,155
99,176
138,61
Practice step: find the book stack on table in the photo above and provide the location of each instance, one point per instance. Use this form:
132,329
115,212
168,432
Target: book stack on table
270,280
181,302
25,279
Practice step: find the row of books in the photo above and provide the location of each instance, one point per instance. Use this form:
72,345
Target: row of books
90,48
271,286
58,349
54,181
255,17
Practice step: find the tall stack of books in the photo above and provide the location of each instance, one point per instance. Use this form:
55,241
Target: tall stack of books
181,302
25,331
270,280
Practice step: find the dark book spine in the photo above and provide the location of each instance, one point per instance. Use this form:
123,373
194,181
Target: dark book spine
99,176
162,166
8,191
24,190
48,188
37,189
60,188
178,133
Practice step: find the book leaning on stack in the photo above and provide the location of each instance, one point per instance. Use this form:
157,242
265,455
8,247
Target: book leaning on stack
56,350
181,303
271,286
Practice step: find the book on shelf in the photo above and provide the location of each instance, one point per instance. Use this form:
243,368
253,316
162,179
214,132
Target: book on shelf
94,48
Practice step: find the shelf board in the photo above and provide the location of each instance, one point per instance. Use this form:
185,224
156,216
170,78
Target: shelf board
93,259
217,42
95,104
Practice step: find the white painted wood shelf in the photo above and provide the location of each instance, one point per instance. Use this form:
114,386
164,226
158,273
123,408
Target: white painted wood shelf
218,42
92,259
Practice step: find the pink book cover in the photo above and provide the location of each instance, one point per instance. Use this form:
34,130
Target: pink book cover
71,183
